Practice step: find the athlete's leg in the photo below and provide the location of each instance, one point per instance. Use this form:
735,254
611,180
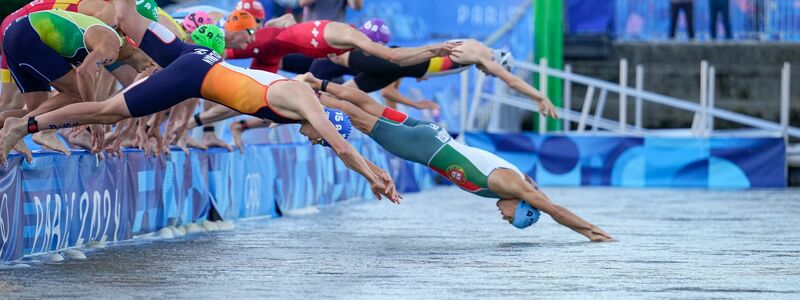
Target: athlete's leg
237,128
106,85
471,52
352,95
370,83
509,185
13,113
343,36
105,112
10,97
129,21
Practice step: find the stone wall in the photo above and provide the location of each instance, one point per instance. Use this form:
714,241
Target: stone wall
748,77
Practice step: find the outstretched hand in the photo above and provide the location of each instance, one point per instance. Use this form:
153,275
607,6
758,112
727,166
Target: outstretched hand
546,108
391,190
598,235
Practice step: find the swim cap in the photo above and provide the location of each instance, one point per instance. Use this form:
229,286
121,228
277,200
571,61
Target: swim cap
210,36
525,215
196,19
341,122
504,58
148,9
254,7
376,30
240,20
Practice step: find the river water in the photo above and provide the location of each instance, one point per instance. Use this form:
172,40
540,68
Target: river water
445,243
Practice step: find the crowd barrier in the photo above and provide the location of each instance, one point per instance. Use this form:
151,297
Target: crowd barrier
58,202
642,161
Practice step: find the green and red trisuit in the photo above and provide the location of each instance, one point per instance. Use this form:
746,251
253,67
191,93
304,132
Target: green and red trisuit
429,144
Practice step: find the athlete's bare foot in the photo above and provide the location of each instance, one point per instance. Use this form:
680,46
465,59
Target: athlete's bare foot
211,140
14,129
307,78
187,142
129,143
236,132
50,141
81,140
21,147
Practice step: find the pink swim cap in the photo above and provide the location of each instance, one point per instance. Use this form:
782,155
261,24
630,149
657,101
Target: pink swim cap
196,19
376,30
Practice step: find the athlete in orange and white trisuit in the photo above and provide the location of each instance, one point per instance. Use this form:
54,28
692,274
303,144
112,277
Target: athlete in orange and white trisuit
195,71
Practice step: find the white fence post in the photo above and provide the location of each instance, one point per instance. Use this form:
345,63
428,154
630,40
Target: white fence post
786,76
567,104
601,107
712,95
623,94
639,89
543,89
699,117
463,108
587,105
480,78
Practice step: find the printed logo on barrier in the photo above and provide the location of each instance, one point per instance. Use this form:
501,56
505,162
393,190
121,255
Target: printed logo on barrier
5,223
456,174
96,214
252,187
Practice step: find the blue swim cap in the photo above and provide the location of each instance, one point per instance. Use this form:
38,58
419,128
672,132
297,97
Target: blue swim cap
341,122
525,215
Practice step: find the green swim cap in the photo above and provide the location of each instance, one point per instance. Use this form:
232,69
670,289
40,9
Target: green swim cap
210,36
148,9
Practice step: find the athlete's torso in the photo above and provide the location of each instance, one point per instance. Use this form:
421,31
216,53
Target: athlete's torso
309,39
429,144
64,32
244,90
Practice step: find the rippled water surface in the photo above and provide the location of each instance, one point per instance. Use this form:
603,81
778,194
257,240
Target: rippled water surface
445,243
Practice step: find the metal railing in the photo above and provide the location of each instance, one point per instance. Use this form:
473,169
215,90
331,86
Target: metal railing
591,114
749,19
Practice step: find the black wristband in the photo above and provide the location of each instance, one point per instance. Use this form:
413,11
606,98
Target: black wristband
33,125
324,85
244,125
197,119
208,128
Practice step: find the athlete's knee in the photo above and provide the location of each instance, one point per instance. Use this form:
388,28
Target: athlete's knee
111,111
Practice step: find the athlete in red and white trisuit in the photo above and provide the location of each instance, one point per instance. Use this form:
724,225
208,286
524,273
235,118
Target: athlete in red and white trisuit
319,39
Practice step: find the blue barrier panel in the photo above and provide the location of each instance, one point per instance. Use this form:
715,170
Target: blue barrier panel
57,201
642,162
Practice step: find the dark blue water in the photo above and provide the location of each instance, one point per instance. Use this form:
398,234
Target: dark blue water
448,244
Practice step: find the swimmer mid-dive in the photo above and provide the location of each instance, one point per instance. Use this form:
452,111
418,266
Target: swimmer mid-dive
474,170
193,71
319,39
377,73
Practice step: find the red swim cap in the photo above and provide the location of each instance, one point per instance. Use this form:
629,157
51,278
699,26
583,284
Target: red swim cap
254,7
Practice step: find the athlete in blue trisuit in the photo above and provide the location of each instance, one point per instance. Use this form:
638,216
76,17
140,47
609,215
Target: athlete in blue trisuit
474,170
